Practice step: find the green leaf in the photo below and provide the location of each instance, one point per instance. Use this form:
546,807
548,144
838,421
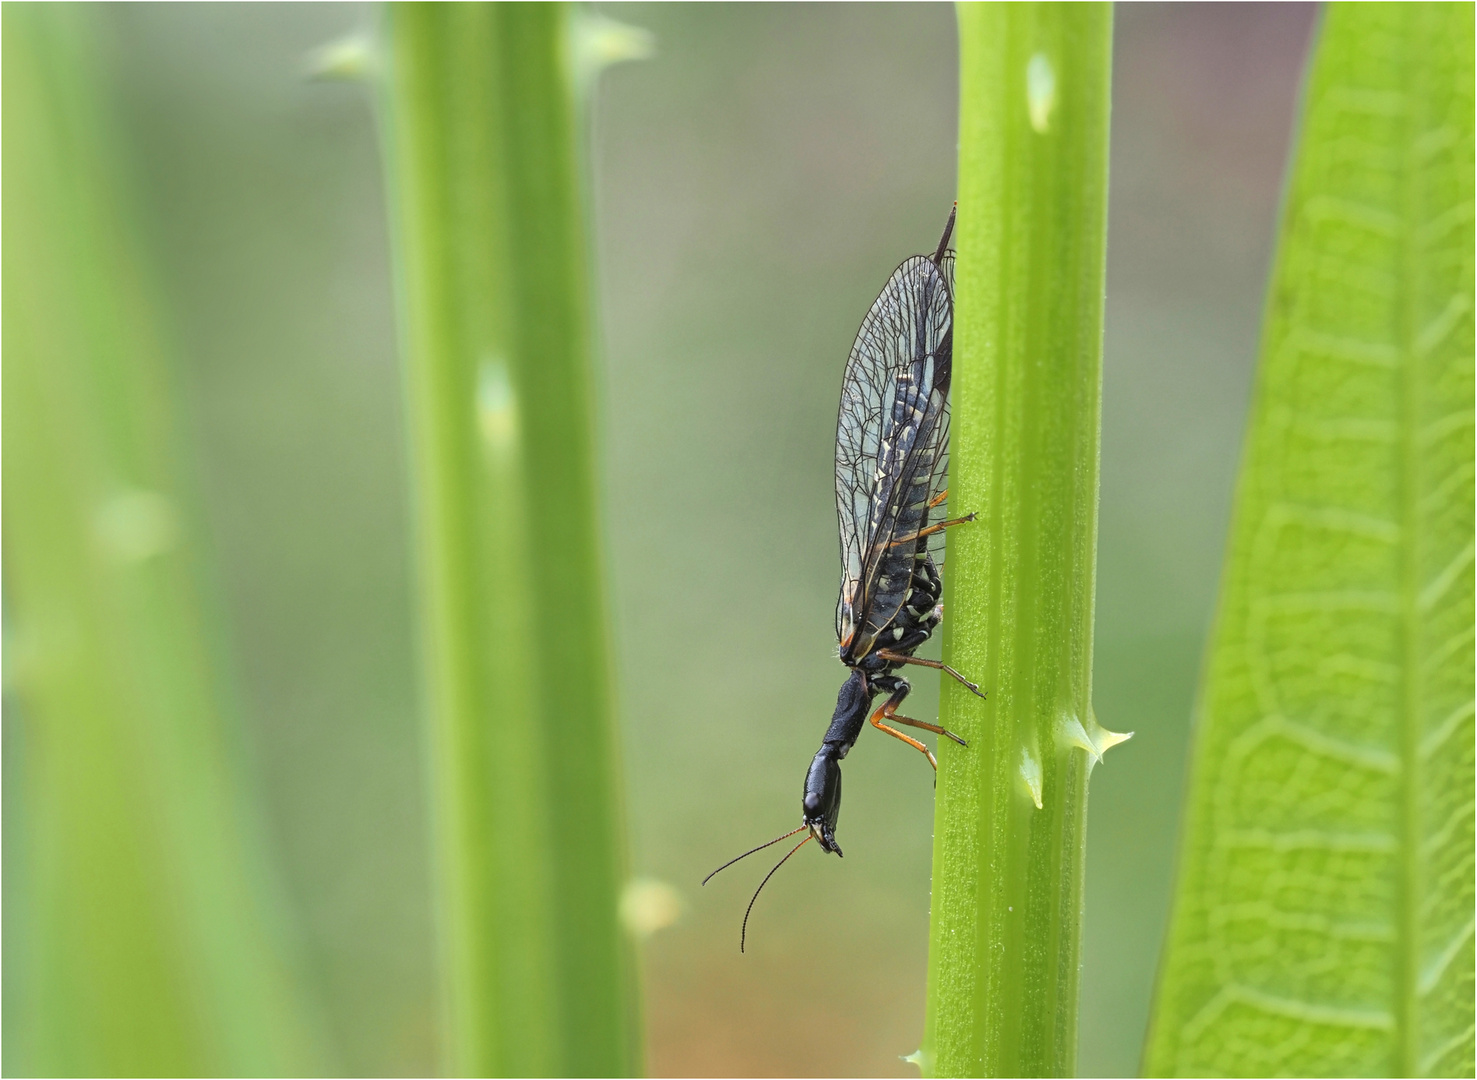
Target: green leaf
1010,817
480,124
1323,915
147,941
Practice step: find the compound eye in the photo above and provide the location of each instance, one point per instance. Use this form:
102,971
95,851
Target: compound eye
812,804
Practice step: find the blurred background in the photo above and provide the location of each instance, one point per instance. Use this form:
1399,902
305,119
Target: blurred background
753,186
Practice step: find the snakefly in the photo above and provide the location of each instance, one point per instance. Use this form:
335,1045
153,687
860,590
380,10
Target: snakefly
892,441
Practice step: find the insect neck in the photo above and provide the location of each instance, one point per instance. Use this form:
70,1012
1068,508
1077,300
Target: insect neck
852,704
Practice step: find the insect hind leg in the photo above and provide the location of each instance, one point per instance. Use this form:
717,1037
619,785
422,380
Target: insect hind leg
898,658
914,537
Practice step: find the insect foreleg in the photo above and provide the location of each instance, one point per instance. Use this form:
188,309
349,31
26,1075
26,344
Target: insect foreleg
888,711
898,718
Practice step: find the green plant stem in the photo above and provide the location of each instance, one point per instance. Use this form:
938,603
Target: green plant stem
1010,817
1323,913
491,264
149,943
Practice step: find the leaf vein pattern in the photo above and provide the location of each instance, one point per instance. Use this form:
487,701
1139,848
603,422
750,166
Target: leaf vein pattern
1323,924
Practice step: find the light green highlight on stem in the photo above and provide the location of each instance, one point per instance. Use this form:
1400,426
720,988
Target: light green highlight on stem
480,124
1323,913
1010,817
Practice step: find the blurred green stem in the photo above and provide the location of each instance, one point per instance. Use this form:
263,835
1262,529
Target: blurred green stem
149,938
491,264
1011,809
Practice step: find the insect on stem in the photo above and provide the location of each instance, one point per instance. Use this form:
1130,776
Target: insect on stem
892,447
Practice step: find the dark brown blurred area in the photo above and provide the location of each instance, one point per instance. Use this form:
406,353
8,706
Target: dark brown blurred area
753,185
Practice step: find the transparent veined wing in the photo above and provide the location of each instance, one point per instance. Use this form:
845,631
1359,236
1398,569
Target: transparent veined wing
892,427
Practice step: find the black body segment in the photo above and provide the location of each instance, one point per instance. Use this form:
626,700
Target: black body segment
822,800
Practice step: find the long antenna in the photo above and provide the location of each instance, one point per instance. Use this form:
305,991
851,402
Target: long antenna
751,851
944,242
744,930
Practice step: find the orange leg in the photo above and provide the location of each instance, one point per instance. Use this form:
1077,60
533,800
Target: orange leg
901,719
940,527
898,658
887,712
884,711
939,499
